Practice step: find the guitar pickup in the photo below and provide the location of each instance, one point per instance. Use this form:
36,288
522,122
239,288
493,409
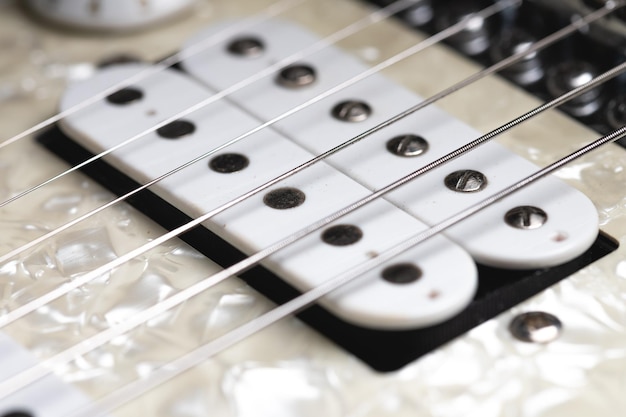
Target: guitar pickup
376,318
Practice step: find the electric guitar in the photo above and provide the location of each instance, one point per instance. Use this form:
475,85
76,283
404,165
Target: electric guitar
517,310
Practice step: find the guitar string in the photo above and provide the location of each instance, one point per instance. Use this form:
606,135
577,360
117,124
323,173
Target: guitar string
236,87
31,375
196,357
273,10
556,36
528,52
77,282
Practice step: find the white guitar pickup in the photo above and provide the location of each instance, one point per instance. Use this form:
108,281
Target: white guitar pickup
422,288
547,224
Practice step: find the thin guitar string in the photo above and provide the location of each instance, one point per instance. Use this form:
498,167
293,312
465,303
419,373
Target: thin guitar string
77,282
556,36
196,357
273,10
373,17
29,376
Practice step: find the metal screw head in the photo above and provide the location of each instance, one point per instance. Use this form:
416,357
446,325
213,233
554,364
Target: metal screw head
568,75
529,69
296,76
248,47
474,39
342,235
125,96
466,181
407,145
228,163
176,130
526,217
536,327
284,198
403,273
352,111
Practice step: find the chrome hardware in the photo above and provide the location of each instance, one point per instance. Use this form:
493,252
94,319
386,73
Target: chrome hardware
536,327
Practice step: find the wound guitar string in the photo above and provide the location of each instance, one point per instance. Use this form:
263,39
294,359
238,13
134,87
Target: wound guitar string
595,82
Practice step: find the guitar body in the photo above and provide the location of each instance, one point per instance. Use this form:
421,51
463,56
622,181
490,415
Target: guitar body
289,369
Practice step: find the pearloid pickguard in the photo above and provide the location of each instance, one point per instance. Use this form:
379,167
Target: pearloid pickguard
288,369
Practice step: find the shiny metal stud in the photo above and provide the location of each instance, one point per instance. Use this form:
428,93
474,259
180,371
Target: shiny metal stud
296,76
527,70
536,327
572,74
526,217
248,47
475,38
466,181
407,145
351,111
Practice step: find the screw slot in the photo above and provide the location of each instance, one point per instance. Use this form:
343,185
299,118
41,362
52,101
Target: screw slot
352,111
466,181
407,145
526,217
